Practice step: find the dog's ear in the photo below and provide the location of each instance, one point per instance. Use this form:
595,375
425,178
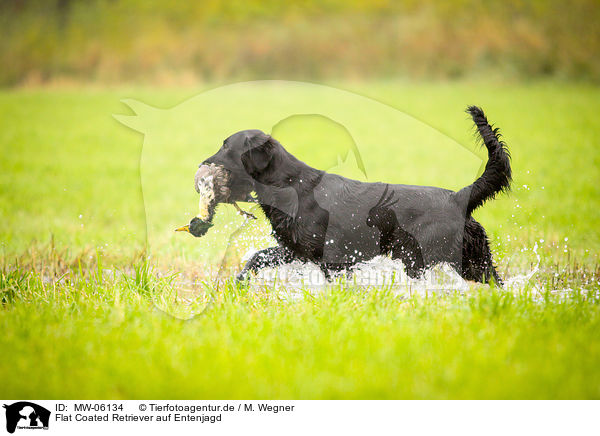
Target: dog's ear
258,154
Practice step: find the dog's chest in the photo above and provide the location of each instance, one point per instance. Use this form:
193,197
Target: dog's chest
302,228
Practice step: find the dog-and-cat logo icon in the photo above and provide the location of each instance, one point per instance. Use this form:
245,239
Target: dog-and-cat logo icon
26,415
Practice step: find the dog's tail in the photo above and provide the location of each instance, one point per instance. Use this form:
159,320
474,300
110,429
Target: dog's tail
497,175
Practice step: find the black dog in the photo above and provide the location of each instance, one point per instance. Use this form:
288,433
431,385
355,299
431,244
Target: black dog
336,222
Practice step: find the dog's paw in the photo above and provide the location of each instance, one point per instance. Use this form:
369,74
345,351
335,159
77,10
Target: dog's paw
242,278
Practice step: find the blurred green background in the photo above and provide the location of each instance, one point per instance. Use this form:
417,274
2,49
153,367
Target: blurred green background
115,41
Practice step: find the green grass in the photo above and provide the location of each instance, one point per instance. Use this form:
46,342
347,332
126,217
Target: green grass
93,338
87,259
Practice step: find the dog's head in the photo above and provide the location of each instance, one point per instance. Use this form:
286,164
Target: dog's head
230,174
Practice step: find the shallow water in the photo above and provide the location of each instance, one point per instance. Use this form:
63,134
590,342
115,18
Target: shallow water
293,280
185,297
378,272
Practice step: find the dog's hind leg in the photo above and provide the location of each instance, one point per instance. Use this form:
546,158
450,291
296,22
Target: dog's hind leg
496,276
477,261
269,257
407,249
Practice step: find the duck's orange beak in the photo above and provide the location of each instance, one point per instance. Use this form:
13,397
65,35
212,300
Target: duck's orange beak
183,229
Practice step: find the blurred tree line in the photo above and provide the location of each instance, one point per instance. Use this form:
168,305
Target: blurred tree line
112,41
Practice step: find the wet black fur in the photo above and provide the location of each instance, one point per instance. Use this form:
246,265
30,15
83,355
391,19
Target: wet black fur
393,239
421,226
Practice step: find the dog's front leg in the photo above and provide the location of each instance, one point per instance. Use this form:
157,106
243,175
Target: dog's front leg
269,257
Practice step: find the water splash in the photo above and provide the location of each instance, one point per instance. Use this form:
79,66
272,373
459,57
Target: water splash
296,278
519,281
